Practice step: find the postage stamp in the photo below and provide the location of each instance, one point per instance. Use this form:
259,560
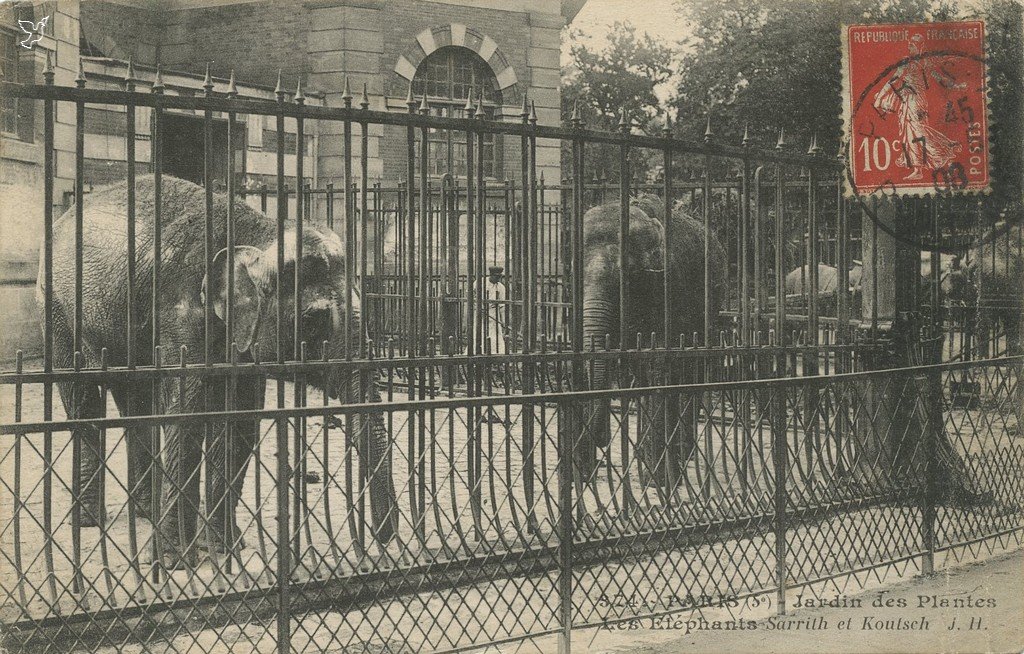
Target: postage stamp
915,109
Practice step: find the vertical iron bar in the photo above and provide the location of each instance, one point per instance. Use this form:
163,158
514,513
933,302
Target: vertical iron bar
931,384
666,289
480,285
780,437
812,255
208,253
624,372
843,264
133,473
156,157
410,298
745,229
130,159
207,234
473,344
78,435
299,505
530,215
229,333
579,146
424,244
329,202
936,276
284,563
16,491
525,233
410,214
874,262
780,274
364,180
707,248
48,173
419,510
623,241
565,527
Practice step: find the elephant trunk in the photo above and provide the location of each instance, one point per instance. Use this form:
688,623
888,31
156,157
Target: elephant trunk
599,320
368,430
374,445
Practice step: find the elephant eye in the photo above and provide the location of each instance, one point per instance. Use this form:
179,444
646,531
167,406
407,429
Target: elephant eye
316,323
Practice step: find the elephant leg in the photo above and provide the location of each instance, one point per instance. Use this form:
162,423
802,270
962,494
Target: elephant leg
81,401
668,437
650,430
374,445
227,459
182,453
138,401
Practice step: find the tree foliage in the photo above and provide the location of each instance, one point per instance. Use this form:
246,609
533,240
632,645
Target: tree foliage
612,83
776,65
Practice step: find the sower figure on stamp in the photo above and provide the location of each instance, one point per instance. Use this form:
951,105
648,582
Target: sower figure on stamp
924,147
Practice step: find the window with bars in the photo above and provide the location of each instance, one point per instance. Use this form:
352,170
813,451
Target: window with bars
17,64
448,76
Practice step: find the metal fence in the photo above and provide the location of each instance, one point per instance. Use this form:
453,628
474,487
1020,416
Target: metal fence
416,484
504,531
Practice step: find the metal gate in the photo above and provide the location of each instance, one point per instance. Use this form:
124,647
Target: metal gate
424,487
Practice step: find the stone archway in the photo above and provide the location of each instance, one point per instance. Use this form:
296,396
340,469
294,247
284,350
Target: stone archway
456,34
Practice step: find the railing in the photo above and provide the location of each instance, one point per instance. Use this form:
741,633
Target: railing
753,489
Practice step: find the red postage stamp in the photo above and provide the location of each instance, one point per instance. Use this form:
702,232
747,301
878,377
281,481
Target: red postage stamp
915,108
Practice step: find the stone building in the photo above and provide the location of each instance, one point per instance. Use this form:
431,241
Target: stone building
504,49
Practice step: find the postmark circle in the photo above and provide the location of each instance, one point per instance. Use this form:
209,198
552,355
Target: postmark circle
938,183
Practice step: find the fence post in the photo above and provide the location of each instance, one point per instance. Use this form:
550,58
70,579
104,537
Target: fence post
933,437
283,482
779,457
566,440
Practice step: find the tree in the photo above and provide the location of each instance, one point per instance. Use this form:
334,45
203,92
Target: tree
776,65
612,83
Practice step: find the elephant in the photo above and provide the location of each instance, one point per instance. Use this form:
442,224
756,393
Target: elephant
181,317
828,281
644,278
987,290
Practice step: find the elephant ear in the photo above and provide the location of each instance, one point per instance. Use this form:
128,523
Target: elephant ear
249,296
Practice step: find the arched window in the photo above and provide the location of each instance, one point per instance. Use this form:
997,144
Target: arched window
447,76
17,64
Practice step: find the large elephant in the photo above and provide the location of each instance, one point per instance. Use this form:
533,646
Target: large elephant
182,285
644,279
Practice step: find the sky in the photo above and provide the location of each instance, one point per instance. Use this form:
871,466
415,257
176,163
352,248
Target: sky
658,17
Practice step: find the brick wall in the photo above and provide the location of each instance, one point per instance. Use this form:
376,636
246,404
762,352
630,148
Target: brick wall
121,31
254,38
325,40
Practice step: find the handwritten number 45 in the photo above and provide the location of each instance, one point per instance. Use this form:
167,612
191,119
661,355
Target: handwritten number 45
966,112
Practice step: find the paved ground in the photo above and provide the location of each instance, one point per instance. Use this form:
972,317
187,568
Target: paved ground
994,587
